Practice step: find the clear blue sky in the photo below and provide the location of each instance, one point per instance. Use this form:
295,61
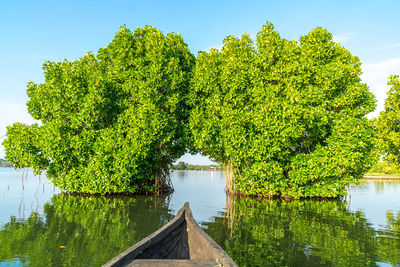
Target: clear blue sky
35,31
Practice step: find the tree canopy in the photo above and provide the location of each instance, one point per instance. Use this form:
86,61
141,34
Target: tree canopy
111,122
287,117
388,124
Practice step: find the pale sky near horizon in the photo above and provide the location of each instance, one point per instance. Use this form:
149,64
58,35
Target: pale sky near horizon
35,31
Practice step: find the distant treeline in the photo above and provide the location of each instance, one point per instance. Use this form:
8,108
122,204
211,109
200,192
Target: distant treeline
5,163
385,167
189,167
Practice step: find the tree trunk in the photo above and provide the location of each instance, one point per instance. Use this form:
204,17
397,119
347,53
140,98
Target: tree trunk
162,181
229,177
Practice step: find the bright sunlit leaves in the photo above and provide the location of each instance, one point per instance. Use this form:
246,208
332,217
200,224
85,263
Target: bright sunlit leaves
288,116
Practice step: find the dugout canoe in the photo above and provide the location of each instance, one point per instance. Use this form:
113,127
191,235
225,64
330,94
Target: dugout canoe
181,242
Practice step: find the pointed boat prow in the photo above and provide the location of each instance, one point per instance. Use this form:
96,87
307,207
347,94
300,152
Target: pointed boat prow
181,242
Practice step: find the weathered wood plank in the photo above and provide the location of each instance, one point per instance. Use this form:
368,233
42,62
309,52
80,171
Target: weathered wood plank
173,263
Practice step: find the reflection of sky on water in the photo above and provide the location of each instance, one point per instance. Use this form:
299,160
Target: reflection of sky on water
205,190
16,262
374,199
22,193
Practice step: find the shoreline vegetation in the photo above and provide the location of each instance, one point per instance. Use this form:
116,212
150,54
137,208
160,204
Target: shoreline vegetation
367,176
381,176
393,174
191,167
383,170
5,164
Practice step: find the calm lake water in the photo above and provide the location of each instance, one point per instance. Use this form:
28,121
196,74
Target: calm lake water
41,226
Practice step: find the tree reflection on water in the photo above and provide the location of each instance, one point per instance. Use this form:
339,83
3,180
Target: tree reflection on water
88,231
302,233
389,239
81,231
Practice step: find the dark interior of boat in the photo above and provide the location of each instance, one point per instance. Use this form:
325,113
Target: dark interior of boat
181,242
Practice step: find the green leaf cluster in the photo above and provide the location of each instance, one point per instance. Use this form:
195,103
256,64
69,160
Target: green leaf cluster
388,124
111,122
288,117
385,167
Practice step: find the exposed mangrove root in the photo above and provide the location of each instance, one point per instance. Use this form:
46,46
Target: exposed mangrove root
229,178
163,182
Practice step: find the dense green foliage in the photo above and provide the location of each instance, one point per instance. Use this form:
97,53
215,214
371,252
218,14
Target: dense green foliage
111,122
385,167
388,124
303,233
91,230
287,118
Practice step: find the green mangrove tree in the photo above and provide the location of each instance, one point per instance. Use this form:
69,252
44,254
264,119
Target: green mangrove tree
111,122
388,125
286,117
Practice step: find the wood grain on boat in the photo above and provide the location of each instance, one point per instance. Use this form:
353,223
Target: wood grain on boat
181,242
